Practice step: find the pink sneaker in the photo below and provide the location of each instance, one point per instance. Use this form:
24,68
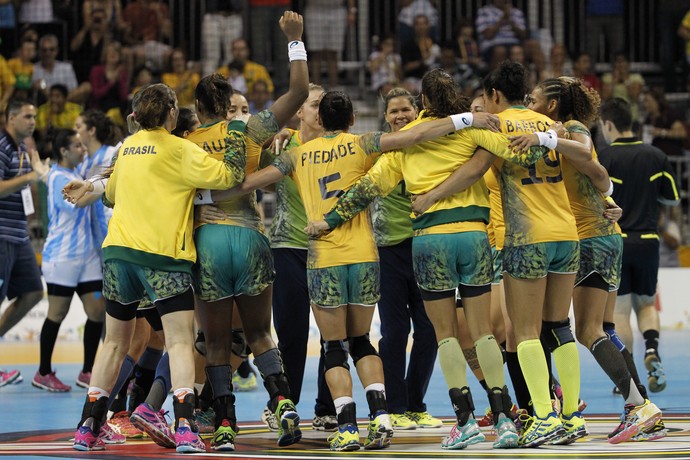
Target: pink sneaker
153,424
109,436
85,440
49,382
187,441
83,379
10,377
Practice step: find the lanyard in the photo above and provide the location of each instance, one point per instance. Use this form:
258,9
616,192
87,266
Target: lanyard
21,160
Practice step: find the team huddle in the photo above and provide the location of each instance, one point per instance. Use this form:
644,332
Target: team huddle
479,222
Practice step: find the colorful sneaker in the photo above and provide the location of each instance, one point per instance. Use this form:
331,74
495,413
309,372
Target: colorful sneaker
288,429
83,380
657,431
86,440
402,422
506,433
122,425
244,384
575,428
346,438
10,377
656,380
186,440
205,420
49,382
269,418
153,424
536,431
487,420
635,419
109,436
224,438
380,432
461,437
424,419
325,423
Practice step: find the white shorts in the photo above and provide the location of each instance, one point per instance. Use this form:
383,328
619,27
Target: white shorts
70,273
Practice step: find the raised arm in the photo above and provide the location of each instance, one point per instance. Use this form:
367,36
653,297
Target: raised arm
287,105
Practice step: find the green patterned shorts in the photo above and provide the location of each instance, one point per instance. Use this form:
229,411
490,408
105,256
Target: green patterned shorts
231,261
357,284
602,255
497,262
442,262
126,283
533,261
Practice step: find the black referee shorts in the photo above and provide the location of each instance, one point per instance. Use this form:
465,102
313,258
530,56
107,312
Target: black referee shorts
640,268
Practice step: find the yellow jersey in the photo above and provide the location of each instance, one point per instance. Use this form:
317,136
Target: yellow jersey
535,201
497,227
586,202
152,185
324,169
242,210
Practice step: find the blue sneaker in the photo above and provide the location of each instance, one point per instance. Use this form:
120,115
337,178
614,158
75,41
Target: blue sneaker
463,436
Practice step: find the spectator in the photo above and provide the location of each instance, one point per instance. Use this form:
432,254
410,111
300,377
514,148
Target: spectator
36,12
670,15
252,71
268,42
420,54
409,10
327,43
181,79
466,46
113,15
662,127
559,63
57,113
89,44
7,82
463,75
49,71
147,27
623,84
684,33
8,27
222,24
22,66
141,76
110,84
499,23
604,25
385,66
260,97
235,77
582,69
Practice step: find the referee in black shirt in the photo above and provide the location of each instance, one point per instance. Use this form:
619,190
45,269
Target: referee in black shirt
643,181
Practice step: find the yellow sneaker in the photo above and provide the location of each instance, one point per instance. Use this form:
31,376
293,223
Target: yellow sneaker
537,431
346,438
424,419
402,422
244,384
575,428
380,432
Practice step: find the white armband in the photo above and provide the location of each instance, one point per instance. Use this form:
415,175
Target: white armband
99,183
609,192
462,120
548,139
203,197
297,51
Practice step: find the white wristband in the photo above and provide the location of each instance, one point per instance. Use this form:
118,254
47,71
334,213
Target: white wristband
203,197
548,139
99,183
462,120
609,192
297,51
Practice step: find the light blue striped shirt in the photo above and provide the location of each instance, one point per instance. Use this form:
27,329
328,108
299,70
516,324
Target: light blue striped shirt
93,165
69,229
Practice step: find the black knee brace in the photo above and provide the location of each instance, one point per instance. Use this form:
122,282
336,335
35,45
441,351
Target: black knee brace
556,333
361,347
335,354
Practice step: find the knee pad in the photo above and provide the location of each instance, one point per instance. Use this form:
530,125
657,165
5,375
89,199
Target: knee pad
360,347
240,347
335,354
556,333
610,330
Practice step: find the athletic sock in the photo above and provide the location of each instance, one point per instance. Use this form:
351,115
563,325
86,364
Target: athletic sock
519,385
49,333
92,335
536,374
651,340
612,362
452,363
567,362
491,361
